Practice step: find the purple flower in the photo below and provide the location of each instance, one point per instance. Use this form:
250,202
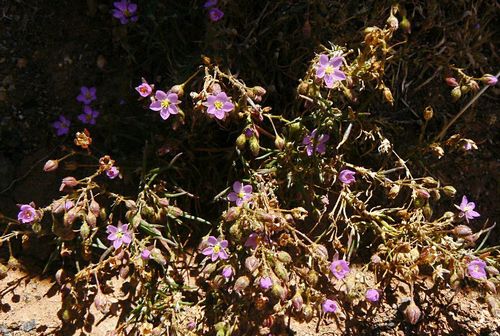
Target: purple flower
339,268
467,209
125,11
311,140
27,214
88,116
240,194
328,69
476,269
119,235
265,282
227,272
218,105
144,89
87,95
216,248
165,103
330,306
210,3
346,176
113,172
372,295
62,125
215,14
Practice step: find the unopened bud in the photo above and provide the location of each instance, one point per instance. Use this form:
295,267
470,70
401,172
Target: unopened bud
394,191
490,286
51,165
308,313
456,93
492,271
251,263
68,181
284,257
462,230
254,146
428,113
91,219
84,231
232,214
281,271
489,79
299,213
102,303
405,25
297,301
388,95
451,81
241,141
392,22
60,276
474,86
312,278
258,90
241,283
279,291
94,207
449,191
130,204
178,89
279,142
412,313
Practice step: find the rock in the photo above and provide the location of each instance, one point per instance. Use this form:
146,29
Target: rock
28,325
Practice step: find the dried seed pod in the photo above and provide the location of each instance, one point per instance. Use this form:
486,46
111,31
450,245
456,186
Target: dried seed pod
241,141
297,301
252,263
456,93
254,145
412,313
449,191
241,283
279,291
102,303
492,271
394,191
461,230
284,257
232,214
308,313
281,271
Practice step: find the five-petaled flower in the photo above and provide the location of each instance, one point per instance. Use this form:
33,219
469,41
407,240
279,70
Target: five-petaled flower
372,295
467,209
125,11
339,267
62,125
328,69
144,89
313,141
330,306
218,105
27,214
476,269
216,248
87,95
265,282
346,176
166,103
240,194
113,172
88,116
215,14
119,235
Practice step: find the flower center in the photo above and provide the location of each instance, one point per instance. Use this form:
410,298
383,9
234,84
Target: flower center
218,105
216,248
329,69
119,234
241,194
165,103
143,89
126,13
27,214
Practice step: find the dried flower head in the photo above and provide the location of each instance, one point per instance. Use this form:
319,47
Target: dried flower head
216,248
83,139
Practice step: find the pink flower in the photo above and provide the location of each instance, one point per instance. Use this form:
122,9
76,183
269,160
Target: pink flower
218,105
144,89
166,103
27,214
241,193
313,141
87,95
328,69
113,172
215,14
330,306
339,267
346,176
216,249
467,209
372,295
88,116
146,254
119,235
476,269
265,282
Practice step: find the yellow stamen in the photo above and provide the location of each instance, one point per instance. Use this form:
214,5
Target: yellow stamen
329,69
218,105
165,103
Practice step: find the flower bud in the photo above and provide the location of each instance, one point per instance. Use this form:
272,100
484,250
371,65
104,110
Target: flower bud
84,230
456,93
241,141
474,86
465,89
51,165
312,278
60,276
489,79
279,291
91,219
284,257
375,259
461,230
251,263
241,283
235,231
94,207
299,213
428,113
232,214
412,313
297,301
254,146
68,181
388,95
451,81
405,25
209,268
449,191
178,89
279,142
392,22
281,271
